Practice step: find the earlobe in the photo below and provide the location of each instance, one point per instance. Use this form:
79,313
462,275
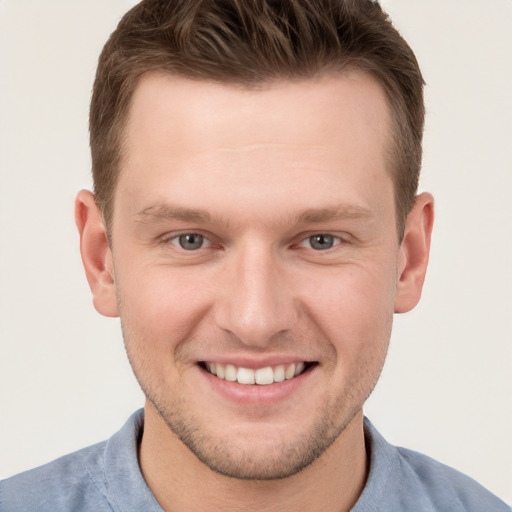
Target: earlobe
414,253
96,254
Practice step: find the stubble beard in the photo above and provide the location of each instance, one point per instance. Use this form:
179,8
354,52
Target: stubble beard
238,458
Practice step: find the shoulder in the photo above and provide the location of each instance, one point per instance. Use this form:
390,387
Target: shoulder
446,487
103,477
402,480
72,482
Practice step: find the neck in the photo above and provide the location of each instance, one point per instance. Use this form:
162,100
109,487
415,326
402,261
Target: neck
180,482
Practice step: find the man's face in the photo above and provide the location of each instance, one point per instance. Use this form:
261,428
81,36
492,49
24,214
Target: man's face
254,230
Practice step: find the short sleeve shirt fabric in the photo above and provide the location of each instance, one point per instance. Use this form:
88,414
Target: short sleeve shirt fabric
106,477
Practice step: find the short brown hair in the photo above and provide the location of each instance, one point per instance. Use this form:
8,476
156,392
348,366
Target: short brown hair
249,42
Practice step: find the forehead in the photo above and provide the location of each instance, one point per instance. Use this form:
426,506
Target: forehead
275,141
321,109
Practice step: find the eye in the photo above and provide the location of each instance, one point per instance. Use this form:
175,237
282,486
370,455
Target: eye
190,241
321,241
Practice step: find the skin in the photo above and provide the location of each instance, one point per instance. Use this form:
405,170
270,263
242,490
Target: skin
256,173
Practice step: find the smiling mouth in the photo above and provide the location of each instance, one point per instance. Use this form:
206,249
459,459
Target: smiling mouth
260,376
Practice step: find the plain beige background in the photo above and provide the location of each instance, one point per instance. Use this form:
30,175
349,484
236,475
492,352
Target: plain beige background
64,379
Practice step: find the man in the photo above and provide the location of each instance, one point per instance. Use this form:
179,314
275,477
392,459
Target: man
255,225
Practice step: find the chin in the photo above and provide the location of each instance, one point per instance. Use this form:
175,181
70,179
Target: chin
252,453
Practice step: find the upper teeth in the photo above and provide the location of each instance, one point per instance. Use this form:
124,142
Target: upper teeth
267,375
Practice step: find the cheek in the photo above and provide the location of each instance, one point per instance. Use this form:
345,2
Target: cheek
354,307
160,306
158,313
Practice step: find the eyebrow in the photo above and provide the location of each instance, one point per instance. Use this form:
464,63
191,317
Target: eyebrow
166,212
342,211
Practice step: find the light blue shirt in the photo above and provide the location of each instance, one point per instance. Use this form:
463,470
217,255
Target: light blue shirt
106,477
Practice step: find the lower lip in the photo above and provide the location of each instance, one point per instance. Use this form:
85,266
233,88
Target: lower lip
257,394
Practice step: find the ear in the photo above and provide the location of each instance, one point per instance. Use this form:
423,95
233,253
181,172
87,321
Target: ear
96,254
414,252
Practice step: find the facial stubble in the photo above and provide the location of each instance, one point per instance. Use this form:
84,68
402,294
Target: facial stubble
236,459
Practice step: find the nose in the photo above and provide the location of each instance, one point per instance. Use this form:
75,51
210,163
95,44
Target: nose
257,301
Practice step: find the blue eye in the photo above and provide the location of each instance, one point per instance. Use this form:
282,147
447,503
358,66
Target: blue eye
321,242
190,241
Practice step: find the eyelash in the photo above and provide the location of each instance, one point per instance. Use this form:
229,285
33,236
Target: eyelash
336,240
305,242
175,240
